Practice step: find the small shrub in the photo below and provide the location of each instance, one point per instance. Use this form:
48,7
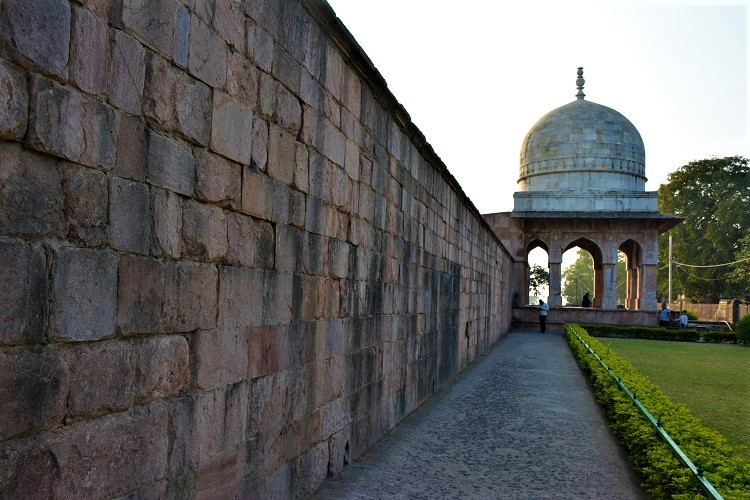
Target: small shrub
691,315
742,329
719,337
642,332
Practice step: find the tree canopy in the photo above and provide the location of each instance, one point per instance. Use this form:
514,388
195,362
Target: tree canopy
713,196
538,279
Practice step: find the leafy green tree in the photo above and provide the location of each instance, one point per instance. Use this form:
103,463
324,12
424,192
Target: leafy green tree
713,196
578,278
538,278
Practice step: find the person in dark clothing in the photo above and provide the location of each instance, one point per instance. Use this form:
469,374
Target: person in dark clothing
664,315
586,302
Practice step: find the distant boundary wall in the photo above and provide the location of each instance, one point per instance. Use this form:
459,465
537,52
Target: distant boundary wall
229,261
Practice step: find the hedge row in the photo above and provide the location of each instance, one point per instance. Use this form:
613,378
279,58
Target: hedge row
657,333
664,475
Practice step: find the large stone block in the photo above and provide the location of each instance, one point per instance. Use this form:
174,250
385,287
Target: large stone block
129,214
34,386
23,293
340,257
166,237
153,22
84,294
263,51
36,33
189,297
89,52
14,108
277,306
242,79
241,297
170,164
218,180
220,476
207,424
181,36
158,91
289,248
333,77
101,379
229,22
127,73
267,95
264,255
162,367
101,8
68,125
267,350
220,357
288,111
231,128
281,148
116,454
132,148
204,231
286,69
140,291
31,200
192,104
241,240
86,202
334,144
207,57
301,161
257,195
260,143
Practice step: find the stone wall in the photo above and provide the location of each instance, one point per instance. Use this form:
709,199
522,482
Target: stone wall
229,262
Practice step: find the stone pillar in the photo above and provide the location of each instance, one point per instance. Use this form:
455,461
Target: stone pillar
609,276
555,284
648,287
598,286
631,301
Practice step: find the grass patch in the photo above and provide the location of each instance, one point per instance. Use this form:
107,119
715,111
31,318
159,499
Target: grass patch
712,380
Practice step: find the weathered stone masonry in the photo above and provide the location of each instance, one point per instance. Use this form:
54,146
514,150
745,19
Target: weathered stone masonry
175,324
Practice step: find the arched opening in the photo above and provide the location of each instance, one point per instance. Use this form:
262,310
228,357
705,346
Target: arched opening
582,273
577,277
632,274
537,272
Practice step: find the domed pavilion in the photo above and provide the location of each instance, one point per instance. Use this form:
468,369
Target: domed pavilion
582,184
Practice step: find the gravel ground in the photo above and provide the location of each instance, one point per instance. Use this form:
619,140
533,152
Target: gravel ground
519,423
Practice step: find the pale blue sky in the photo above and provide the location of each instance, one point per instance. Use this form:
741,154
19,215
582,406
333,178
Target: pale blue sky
476,75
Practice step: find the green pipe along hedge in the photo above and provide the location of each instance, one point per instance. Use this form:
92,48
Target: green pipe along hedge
664,476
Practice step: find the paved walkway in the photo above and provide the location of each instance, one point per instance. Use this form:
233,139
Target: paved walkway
520,423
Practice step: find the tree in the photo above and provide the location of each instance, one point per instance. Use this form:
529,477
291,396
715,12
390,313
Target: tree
578,278
713,196
538,278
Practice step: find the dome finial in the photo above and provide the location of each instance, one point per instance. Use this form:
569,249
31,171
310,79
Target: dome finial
579,82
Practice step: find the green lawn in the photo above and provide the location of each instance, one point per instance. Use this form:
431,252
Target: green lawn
712,380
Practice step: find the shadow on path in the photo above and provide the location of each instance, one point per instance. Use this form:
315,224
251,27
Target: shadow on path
519,423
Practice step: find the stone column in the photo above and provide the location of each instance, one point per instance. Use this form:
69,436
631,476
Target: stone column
631,301
598,286
609,274
648,287
555,287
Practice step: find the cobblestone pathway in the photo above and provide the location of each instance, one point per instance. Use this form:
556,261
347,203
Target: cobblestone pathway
520,423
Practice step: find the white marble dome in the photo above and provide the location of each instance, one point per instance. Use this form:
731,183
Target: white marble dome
583,158
582,146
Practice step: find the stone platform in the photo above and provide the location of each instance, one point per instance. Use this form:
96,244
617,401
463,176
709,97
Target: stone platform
520,423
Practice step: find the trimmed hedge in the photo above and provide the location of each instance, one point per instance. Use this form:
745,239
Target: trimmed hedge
658,333
664,475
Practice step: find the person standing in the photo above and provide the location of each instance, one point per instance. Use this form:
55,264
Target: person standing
664,315
542,309
586,302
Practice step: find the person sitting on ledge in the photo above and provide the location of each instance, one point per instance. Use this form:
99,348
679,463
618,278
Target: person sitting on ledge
684,319
586,302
